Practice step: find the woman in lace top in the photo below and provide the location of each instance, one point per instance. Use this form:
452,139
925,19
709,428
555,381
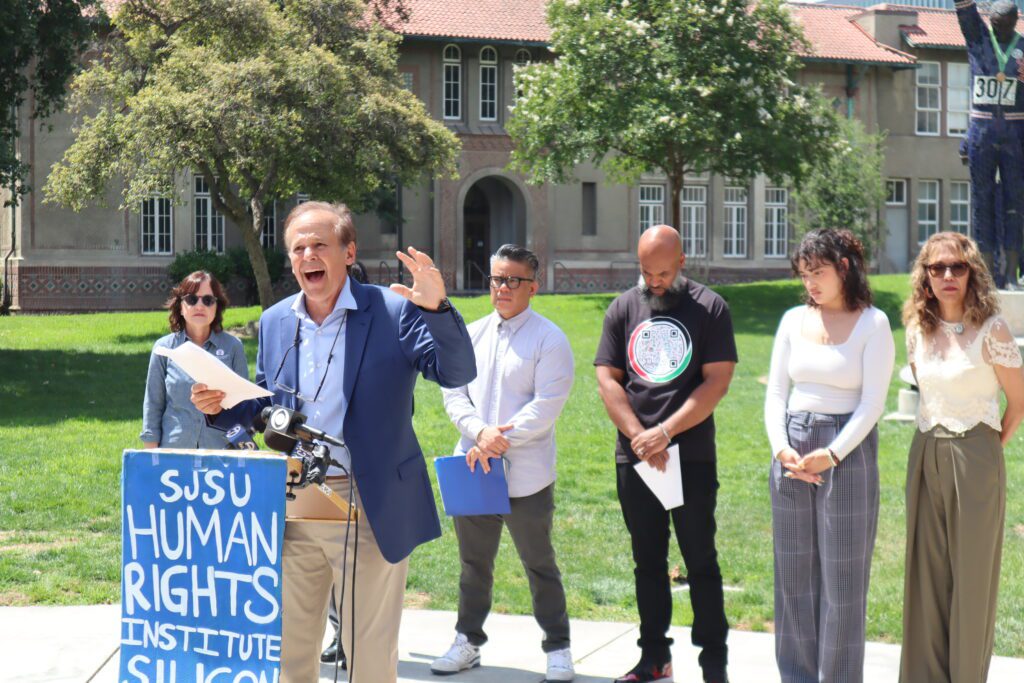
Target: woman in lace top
962,353
831,365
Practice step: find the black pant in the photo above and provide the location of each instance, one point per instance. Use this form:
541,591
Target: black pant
694,522
529,524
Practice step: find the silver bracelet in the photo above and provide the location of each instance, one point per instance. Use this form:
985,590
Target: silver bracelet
665,432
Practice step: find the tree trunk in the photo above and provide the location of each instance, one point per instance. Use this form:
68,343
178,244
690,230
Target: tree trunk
256,257
675,190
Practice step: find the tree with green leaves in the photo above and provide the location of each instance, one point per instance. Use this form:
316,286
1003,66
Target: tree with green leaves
678,86
40,47
264,98
846,188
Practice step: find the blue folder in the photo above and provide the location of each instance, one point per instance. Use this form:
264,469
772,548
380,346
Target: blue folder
472,493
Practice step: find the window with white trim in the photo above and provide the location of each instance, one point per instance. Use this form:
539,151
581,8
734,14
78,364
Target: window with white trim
209,223
735,245
452,95
776,222
960,207
693,202
523,57
652,206
928,98
268,236
301,198
895,192
958,98
927,209
488,84
156,227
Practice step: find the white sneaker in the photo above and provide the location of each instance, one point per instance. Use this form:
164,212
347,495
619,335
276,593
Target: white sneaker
461,655
560,665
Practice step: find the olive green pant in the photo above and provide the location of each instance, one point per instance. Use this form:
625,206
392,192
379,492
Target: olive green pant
956,504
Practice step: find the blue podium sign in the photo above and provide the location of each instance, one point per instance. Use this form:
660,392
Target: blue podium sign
202,534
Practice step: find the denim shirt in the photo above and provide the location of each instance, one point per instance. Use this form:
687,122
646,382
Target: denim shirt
168,416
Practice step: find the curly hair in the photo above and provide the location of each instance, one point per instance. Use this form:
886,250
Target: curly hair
981,301
190,285
830,246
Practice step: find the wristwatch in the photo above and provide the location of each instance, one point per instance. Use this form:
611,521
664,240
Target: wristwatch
443,307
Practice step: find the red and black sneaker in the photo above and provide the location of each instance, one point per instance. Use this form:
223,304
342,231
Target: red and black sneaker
648,672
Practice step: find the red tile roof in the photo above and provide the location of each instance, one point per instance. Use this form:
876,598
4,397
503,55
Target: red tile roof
834,36
511,20
934,28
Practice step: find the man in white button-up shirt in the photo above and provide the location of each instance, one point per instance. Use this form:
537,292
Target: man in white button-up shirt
524,374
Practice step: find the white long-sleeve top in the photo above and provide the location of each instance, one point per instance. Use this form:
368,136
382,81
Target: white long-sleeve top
834,379
524,372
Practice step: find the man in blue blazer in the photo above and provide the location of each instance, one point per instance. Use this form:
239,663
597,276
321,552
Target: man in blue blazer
347,356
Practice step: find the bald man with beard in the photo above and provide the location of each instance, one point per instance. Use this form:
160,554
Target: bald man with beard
665,360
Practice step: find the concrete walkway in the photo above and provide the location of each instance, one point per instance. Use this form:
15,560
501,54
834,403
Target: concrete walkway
79,644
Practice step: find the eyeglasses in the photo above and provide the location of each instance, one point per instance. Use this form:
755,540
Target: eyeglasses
939,269
207,299
513,282
327,366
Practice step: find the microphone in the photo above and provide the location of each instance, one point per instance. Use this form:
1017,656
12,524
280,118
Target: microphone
240,438
285,427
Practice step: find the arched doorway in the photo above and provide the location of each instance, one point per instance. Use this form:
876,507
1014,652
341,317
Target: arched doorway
493,213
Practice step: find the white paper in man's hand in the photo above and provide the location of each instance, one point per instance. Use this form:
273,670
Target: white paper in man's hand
667,485
205,369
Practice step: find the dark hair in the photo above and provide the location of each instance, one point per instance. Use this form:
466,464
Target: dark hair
517,254
829,246
190,284
357,271
344,226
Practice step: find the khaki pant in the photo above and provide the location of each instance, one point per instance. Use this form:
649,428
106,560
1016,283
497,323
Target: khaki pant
956,504
312,559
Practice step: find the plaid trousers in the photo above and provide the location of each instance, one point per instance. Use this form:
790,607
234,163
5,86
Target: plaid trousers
824,536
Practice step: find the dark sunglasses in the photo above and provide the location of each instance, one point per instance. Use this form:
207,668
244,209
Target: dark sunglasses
207,299
513,282
939,269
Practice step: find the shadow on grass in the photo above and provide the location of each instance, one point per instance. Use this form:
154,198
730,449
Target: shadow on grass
43,387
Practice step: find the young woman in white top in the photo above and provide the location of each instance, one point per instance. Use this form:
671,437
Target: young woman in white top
962,354
830,371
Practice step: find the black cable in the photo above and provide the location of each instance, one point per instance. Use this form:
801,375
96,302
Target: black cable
355,569
344,580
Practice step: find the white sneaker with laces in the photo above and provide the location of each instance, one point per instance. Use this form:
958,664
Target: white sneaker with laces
462,655
560,665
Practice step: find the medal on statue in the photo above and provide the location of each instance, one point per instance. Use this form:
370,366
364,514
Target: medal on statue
1000,77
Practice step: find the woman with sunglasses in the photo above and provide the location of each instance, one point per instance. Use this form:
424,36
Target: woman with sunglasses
831,365
962,353
169,420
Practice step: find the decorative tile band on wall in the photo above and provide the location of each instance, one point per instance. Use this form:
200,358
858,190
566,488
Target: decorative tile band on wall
84,288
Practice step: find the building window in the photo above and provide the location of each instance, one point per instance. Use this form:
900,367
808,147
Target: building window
776,222
407,80
268,236
960,207
209,222
523,57
927,209
693,201
929,100
958,98
589,208
301,198
452,82
156,226
488,84
652,206
895,192
735,222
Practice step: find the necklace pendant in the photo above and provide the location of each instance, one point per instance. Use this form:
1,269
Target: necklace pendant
959,328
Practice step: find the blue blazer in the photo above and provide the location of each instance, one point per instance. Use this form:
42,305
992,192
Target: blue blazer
388,342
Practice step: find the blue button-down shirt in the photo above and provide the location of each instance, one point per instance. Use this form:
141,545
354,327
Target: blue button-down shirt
168,416
315,342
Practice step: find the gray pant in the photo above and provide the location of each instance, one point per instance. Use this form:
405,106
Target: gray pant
824,536
529,524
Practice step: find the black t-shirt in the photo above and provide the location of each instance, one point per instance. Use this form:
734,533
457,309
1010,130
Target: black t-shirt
662,354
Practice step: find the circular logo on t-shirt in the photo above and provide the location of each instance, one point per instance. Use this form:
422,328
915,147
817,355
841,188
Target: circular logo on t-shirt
659,349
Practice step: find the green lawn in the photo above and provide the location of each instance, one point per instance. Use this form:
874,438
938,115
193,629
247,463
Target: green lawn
70,400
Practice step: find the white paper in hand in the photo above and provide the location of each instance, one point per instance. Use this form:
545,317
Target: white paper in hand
667,485
205,369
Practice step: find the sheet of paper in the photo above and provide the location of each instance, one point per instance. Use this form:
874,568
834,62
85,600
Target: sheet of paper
667,485
203,368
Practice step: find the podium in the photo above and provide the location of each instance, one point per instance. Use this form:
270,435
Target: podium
202,537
